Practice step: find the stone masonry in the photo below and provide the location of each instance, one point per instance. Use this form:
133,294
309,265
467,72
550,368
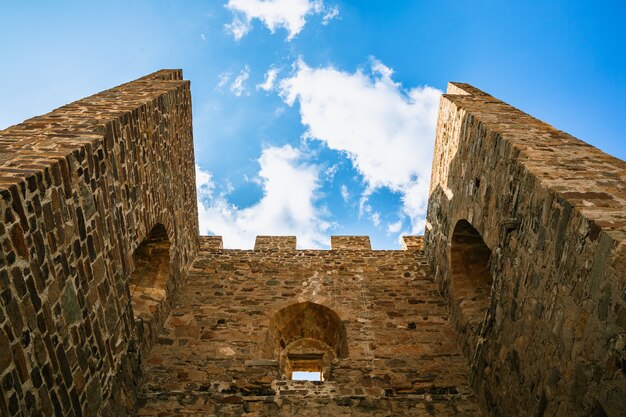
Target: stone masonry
512,304
81,187
218,353
549,213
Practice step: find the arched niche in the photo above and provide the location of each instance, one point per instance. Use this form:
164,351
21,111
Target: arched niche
471,282
306,337
149,279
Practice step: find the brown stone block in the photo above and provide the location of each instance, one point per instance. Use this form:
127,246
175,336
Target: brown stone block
413,242
275,243
350,242
19,242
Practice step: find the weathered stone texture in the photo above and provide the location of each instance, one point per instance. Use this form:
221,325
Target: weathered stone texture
275,243
350,242
80,189
413,242
397,353
551,210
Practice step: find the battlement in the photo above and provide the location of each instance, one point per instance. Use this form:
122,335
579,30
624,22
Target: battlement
282,243
413,242
275,243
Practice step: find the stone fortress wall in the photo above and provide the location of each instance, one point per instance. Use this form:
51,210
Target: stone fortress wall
526,235
513,304
245,316
81,188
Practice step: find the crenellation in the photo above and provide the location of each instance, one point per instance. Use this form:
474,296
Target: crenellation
412,242
275,243
211,242
399,350
350,243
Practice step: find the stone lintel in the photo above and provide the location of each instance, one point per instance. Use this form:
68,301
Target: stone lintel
350,242
275,243
412,242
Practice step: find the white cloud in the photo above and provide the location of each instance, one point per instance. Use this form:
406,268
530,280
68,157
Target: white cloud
238,86
344,193
288,14
415,203
203,36
238,28
204,183
270,78
394,227
331,13
375,218
290,191
386,131
330,172
223,79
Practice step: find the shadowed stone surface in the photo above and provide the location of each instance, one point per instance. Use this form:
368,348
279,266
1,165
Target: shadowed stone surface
80,188
551,209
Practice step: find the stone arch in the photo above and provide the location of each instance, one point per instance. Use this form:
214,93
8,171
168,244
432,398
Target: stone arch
149,279
306,337
471,282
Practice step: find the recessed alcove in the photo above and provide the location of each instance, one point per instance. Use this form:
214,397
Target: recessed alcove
471,282
305,338
148,282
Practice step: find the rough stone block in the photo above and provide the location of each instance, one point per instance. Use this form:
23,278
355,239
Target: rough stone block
275,243
350,243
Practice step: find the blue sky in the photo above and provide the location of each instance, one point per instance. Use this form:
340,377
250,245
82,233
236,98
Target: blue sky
316,118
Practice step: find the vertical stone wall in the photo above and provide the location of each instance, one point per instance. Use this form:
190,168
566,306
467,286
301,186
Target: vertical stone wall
552,211
80,188
376,316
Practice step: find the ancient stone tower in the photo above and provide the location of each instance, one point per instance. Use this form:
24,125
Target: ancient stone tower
513,304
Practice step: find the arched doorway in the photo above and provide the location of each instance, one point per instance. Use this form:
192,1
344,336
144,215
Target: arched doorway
471,280
305,338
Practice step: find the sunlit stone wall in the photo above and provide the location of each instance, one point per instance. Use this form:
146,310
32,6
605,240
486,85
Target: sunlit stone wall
247,318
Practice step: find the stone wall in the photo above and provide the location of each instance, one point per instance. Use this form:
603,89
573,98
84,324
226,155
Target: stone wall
551,210
80,189
393,351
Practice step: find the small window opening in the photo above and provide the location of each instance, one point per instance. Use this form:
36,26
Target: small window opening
305,338
306,366
306,376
